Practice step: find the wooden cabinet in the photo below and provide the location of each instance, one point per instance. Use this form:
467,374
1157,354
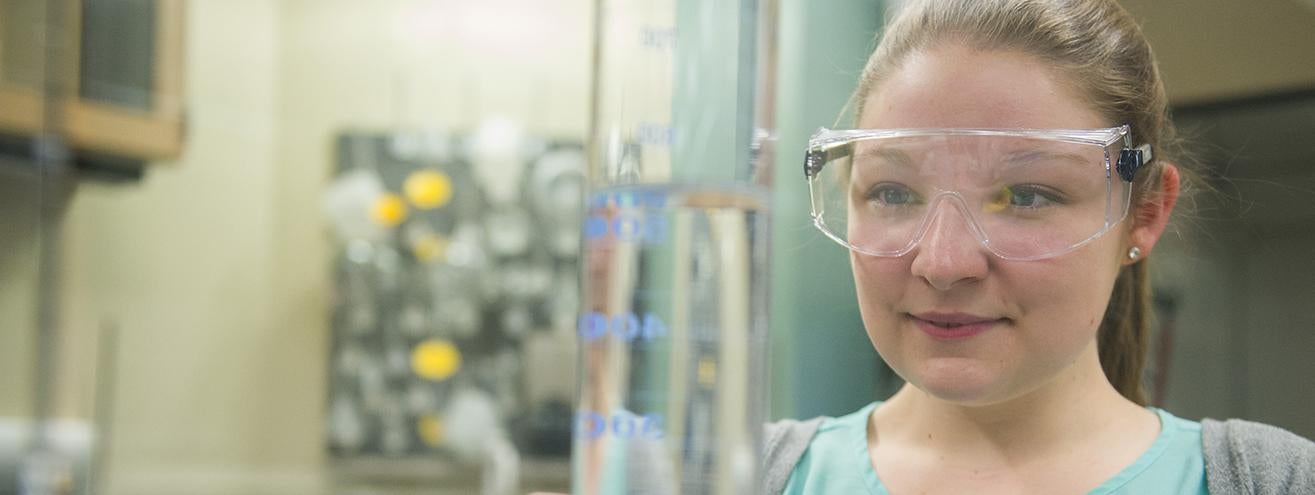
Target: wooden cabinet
107,74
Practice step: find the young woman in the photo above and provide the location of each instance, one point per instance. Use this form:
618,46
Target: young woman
1010,173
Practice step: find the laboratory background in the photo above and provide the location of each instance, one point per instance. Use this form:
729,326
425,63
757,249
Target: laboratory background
371,247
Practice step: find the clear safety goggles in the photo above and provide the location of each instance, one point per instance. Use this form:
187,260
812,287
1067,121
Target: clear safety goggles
1024,194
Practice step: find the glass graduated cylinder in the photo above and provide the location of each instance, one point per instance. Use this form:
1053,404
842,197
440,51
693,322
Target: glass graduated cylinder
672,337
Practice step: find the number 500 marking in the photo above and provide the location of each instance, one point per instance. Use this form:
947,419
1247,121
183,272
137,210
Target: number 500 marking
627,326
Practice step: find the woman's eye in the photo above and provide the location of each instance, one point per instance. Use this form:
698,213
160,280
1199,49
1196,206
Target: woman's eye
1025,197
891,195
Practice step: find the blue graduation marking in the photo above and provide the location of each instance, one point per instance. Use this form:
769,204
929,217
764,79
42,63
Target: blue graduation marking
592,425
629,327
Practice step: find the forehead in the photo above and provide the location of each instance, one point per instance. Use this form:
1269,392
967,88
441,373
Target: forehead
951,85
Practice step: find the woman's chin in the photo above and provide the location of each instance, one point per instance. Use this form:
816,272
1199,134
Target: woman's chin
961,381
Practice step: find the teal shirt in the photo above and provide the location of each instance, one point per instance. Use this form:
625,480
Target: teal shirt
837,461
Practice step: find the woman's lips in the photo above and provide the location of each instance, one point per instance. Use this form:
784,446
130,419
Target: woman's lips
953,326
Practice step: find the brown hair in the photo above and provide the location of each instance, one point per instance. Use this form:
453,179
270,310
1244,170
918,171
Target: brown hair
1099,49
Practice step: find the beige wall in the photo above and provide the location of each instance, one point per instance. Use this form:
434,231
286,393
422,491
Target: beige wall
215,268
210,383
1218,49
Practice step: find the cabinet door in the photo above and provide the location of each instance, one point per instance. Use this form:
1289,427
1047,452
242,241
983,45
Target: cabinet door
116,77
117,52
23,29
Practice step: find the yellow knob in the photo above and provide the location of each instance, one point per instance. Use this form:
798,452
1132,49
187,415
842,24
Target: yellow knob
429,247
430,429
428,189
707,372
389,210
435,359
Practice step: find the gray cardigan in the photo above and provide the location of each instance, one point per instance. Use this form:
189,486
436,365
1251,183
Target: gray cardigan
1240,456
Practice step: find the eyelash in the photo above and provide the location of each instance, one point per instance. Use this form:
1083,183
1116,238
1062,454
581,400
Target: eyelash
1049,195
875,193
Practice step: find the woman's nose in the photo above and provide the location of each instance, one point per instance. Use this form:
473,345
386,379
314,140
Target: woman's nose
949,252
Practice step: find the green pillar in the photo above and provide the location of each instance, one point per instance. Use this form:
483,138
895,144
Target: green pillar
822,361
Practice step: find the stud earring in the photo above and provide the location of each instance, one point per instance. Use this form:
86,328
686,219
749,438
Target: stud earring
1134,252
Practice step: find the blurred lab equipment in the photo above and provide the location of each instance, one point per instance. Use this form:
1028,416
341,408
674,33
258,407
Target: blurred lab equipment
449,261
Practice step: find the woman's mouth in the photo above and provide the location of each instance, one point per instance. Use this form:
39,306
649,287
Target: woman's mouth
953,326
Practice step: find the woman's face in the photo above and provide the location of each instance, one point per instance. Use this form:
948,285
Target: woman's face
1038,317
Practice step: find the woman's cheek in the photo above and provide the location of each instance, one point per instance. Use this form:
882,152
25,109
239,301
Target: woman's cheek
879,284
879,280
1059,309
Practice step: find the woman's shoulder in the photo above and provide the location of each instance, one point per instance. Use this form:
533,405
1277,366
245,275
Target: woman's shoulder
1248,457
792,435
786,441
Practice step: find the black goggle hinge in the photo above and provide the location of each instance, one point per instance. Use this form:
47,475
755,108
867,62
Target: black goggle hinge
813,160
1131,160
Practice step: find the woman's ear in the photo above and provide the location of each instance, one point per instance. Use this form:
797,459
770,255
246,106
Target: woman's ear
1151,215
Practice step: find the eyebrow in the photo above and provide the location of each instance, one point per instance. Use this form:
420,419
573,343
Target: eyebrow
1036,155
898,157
893,155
